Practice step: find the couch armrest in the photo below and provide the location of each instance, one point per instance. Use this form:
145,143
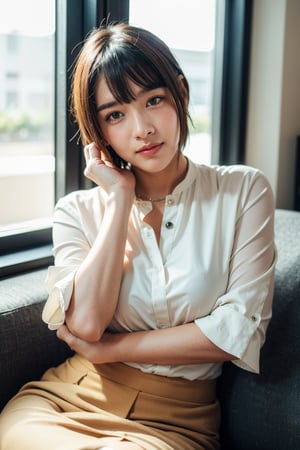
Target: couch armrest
263,411
27,347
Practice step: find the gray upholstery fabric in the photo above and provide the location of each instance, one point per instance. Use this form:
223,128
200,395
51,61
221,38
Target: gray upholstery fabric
258,411
27,347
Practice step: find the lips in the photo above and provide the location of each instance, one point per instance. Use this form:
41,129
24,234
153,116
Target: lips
150,149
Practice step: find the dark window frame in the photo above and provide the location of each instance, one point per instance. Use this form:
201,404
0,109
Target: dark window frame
75,18
235,81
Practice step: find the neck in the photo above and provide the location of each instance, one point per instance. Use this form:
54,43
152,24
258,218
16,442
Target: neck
154,187
150,199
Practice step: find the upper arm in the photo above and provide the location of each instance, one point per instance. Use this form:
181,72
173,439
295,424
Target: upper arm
253,247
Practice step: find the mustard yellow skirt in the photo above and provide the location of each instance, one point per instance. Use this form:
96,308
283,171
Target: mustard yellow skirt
77,404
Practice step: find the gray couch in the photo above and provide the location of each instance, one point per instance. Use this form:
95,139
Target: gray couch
259,411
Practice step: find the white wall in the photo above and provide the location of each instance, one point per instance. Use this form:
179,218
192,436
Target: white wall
274,96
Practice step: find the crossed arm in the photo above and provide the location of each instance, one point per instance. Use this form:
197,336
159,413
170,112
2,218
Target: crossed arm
184,344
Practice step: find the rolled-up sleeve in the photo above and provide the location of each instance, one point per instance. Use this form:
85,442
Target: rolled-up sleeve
238,321
70,247
59,284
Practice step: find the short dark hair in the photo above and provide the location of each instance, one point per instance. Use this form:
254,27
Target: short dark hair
120,52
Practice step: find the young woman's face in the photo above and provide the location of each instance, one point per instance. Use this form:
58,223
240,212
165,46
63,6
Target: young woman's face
144,132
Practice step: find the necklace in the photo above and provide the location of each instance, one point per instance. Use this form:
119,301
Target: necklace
149,199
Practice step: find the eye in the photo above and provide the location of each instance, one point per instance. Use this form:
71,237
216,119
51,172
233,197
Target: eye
155,100
113,116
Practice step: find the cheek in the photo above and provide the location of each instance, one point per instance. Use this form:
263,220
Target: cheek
118,138
114,135
171,123
172,117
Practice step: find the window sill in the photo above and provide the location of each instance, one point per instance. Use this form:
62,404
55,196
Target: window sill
20,261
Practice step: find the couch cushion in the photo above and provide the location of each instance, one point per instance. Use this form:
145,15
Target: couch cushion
27,347
263,411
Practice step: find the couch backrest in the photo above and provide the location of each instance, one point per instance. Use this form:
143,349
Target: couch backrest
263,411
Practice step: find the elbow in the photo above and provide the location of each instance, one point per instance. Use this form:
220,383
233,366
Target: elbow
86,329
91,334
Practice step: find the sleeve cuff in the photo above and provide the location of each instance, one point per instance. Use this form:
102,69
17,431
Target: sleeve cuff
233,334
239,322
59,284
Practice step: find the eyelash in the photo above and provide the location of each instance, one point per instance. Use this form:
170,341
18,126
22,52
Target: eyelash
110,117
157,99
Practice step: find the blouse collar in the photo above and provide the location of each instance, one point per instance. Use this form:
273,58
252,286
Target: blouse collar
181,187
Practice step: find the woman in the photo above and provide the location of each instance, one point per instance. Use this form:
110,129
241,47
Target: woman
162,272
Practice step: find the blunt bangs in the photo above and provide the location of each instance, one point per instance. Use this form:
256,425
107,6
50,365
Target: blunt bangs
123,64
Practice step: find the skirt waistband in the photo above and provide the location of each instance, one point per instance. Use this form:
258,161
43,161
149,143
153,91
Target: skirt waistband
194,391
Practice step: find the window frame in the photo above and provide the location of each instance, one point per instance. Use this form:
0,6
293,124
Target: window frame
74,19
235,81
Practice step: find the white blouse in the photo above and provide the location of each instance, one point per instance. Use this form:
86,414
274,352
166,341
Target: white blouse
212,265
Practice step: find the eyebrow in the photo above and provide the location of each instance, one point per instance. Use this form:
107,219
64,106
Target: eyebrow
107,105
144,90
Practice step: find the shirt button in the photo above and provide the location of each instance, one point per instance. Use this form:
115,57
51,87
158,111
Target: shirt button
169,225
253,318
170,202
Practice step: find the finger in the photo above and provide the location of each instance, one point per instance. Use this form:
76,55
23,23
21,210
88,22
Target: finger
86,349
90,151
93,151
93,159
60,332
65,335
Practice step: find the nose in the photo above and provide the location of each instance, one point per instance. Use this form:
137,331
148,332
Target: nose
142,125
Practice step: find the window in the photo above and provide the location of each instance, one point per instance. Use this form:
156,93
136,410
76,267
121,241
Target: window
13,76
26,118
12,100
192,41
12,40
37,142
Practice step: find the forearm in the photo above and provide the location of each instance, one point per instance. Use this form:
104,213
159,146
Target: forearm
185,344
97,281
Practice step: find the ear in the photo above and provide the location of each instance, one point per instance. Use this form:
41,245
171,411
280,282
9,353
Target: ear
184,88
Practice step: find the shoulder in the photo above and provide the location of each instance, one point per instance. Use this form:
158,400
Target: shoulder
230,172
81,201
238,176
81,196
236,186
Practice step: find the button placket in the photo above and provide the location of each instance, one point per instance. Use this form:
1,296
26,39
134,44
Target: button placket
158,282
159,301
168,226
